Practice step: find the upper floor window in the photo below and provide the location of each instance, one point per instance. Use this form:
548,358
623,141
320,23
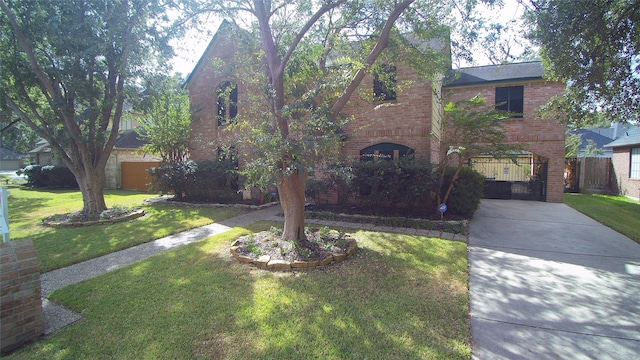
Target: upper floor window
385,83
510,98
634,166
227,102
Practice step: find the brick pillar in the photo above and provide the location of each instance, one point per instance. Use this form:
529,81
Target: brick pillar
21,315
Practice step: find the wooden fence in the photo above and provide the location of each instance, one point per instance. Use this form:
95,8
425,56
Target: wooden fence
589,175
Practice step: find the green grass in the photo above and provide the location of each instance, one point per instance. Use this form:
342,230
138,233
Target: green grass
617,212
399,297
58,248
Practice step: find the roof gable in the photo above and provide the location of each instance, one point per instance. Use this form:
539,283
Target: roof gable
497,73
223,30
631,137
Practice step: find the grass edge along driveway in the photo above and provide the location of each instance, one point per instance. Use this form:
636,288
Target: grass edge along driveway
617,212
399,297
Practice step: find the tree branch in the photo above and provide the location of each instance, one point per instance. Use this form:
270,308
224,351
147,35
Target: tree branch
323,10
381,44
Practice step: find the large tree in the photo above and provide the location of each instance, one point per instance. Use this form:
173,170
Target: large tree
66,68
593,45
312,56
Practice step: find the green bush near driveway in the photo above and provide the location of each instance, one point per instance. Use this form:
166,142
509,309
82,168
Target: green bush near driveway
399,297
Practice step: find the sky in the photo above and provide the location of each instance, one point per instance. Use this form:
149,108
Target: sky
190,48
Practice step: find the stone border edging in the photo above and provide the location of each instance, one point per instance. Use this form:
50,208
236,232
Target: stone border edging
133,215
165,199
265,262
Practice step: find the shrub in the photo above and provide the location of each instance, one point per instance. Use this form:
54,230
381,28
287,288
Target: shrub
405,184
467,191
49,176
209,180
173,178
59,177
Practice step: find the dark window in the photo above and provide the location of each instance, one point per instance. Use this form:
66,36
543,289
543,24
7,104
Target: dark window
385,151
510,98
227,102
385,83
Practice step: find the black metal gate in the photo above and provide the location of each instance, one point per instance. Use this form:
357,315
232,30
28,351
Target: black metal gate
525,179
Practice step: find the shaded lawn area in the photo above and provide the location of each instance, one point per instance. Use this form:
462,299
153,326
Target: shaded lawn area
58,248
399,297
617,212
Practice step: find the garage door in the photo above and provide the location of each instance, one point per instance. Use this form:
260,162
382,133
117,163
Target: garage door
135,176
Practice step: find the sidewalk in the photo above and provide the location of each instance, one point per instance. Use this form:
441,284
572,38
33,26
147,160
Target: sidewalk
57,317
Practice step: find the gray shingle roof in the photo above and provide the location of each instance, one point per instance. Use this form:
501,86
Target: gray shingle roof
129,140
6,154
631,137
497,73
601,139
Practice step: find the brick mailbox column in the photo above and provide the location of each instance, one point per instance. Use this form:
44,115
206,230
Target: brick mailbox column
21,315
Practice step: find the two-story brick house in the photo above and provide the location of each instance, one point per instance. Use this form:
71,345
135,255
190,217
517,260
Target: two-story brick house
410,120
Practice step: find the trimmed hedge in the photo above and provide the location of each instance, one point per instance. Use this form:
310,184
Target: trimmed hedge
404,186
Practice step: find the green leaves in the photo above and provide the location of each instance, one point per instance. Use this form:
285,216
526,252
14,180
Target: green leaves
594,47
165,120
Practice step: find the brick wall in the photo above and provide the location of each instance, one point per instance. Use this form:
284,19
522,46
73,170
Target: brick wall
543,137
21,314
405,121
621,162
410,120
216,67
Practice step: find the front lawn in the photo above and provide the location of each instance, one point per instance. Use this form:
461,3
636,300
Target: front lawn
58,248
617,212
399,297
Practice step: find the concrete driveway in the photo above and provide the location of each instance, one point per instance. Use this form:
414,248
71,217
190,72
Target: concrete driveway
548,282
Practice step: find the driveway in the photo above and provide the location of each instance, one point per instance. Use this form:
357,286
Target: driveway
547,282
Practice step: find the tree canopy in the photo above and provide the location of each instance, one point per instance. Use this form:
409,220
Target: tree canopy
67,69
165,119
593,45
306,60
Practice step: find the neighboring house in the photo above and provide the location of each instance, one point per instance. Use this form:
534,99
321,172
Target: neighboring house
10,160
599,137
626,162
410,124
42,154
126,167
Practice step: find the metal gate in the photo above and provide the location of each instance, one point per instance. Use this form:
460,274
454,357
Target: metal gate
524,179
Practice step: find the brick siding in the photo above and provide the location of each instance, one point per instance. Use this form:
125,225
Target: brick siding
543,137
408,120
621,162
21,312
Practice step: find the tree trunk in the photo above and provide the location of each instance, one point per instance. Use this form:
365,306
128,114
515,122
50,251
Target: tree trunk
92,189
291,189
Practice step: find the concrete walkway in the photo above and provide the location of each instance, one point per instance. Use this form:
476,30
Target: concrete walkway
547,282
